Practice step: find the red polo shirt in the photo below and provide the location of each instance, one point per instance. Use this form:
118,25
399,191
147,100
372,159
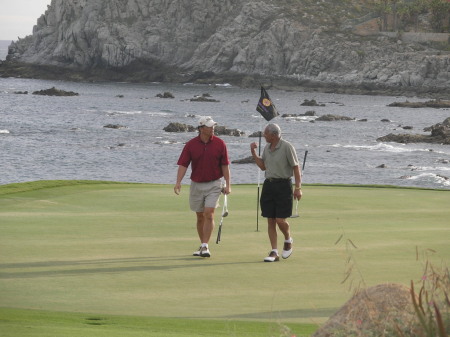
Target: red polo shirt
207,159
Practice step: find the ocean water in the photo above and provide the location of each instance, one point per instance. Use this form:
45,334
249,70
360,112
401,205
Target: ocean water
43,137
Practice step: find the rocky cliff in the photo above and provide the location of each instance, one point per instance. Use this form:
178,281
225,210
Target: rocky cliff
308,44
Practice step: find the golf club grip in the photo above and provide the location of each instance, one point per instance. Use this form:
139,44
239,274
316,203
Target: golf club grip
304,160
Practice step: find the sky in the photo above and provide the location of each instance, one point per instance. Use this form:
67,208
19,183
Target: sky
17,17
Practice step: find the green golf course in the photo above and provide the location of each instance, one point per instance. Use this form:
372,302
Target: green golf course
91,258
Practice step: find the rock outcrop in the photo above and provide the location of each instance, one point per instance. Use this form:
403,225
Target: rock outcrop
54,92
330,118
218,130
440,134
245,41
437,104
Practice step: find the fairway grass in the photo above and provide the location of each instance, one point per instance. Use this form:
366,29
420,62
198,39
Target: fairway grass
123,251
37,323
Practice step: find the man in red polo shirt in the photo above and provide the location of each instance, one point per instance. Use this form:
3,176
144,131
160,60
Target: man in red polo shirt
209,157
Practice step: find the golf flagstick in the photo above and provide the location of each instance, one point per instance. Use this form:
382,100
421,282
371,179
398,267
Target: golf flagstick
267,109
224,214
259,174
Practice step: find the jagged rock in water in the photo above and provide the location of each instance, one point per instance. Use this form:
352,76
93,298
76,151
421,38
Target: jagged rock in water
179,127
114,126
311,102
218,130
440,134
54,92
166,94
330,118
437,104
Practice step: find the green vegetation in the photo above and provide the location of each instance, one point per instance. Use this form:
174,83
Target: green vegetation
404,13
121,254
36,323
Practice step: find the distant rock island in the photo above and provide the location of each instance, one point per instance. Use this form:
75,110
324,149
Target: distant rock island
438,104
328,46
440,134
54,92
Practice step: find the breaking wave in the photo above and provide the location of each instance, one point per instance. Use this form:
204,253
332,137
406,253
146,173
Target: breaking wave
383,147
431,178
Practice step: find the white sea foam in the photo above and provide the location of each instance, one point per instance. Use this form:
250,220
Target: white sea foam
137,112
166,142
435,178
432,168
383,147
119,112
223,85
302,118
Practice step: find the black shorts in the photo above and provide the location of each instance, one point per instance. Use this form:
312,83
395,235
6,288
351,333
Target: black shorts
276,198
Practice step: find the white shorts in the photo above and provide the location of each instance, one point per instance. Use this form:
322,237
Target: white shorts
203,195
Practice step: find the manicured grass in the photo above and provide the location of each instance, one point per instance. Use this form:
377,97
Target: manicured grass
36,323
125,250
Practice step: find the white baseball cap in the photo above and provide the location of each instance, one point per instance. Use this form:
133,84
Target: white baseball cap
206,121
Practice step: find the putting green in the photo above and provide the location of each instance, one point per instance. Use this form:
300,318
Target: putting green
125,249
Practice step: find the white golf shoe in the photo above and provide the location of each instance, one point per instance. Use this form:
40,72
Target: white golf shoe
197,252
287,248
204,252
273,257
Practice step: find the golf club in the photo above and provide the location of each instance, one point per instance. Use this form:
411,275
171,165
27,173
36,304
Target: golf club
224,214
295,215
225,206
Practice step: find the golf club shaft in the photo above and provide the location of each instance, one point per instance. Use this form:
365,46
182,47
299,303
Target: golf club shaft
225,207
304,161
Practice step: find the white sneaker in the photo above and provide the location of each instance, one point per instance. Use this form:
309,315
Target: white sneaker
204,252
197,252
273,257
287,248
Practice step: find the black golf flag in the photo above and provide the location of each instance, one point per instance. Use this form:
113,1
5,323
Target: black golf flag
265,106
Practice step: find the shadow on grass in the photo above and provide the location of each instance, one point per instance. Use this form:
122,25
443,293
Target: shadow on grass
286,314
145,264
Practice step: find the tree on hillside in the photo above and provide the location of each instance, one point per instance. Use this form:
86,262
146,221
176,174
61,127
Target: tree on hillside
383,9
414,9
394,5
440,10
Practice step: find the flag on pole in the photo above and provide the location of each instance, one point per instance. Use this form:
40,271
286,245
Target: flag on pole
265,106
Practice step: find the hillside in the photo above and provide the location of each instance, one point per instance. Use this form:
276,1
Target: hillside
325,45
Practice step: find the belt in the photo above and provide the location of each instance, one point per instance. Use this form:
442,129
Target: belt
277,180
202,182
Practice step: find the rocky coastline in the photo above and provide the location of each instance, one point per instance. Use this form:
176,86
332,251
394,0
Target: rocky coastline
245,43
141,74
